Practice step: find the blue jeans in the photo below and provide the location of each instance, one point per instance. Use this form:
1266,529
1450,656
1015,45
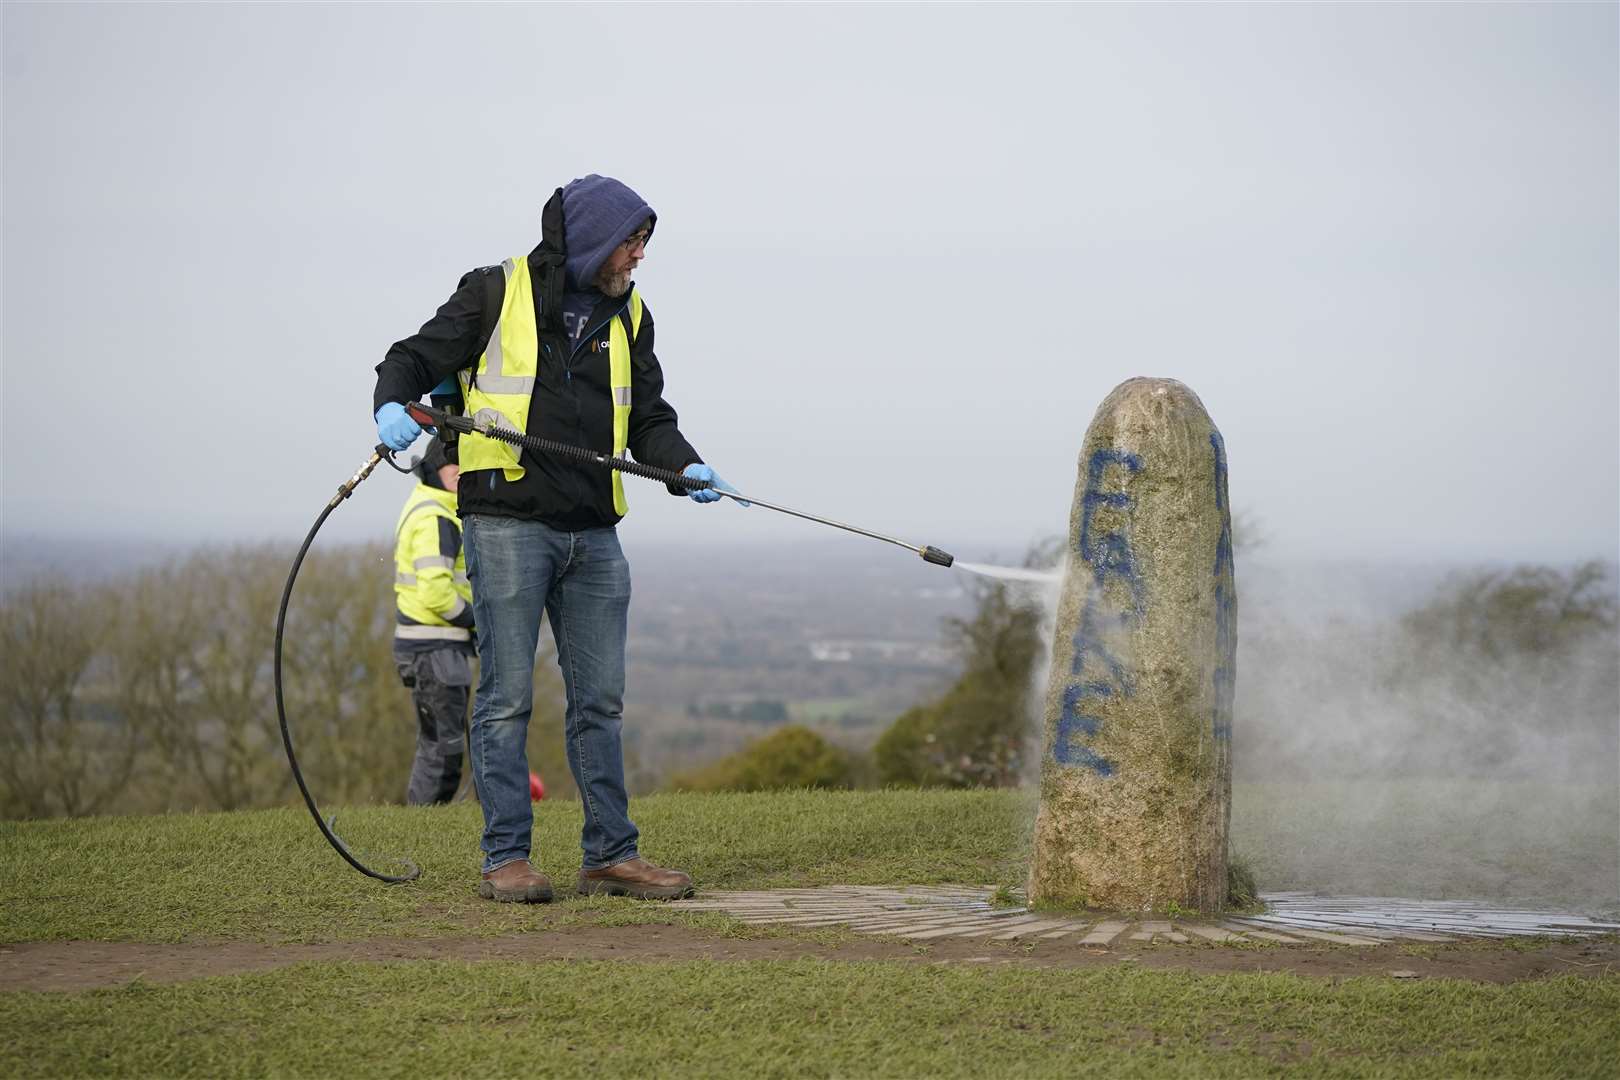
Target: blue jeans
582,582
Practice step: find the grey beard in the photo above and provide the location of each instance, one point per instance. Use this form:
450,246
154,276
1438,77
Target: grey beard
612,284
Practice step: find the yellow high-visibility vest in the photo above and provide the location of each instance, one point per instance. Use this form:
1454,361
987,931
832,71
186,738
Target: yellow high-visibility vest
430,588
497,393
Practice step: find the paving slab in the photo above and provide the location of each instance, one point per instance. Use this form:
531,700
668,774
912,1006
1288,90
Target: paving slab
1000,927
1027,929
1105,933
932,912
1337,939
958,930
1263,935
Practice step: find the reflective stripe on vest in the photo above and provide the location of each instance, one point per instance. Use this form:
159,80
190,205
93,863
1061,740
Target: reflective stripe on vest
500,390
431,633
458,578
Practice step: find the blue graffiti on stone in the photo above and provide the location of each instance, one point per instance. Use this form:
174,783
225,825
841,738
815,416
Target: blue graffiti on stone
1072,723
1225,602
1107,551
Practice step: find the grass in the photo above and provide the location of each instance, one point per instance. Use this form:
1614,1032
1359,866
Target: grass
1241,892
807,1018
267,875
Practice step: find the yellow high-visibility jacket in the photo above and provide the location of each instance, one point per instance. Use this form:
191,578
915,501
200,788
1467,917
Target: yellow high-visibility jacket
497,391
431,589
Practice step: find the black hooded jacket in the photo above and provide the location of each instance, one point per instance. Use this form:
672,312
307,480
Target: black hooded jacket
572,399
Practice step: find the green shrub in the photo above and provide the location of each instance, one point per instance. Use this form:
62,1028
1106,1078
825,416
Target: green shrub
976,735
791,757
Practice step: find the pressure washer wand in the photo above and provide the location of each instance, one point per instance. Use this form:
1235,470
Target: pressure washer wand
927,551
428,416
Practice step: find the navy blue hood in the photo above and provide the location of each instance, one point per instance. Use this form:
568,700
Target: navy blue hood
598,213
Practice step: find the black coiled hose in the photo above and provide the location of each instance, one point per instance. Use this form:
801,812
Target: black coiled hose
328,828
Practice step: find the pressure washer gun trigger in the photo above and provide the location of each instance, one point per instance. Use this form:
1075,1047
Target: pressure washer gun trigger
424,414
429,417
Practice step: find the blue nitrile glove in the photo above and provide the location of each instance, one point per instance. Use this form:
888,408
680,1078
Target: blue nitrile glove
395,427
706,495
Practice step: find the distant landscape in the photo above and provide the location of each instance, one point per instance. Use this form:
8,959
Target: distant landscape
725,645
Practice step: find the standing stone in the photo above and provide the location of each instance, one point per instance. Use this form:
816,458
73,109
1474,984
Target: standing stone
1136,773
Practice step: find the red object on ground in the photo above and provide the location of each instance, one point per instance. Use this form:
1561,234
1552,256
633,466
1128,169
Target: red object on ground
537,787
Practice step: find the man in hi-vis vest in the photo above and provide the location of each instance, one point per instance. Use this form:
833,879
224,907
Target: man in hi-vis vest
557,344
433,626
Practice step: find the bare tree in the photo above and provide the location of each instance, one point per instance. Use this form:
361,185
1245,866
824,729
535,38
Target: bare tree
193,657
336,661
62,748
156,693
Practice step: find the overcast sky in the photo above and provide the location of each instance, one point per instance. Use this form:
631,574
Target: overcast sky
902,254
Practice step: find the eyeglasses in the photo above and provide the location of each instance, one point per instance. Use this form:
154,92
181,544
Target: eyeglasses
637,240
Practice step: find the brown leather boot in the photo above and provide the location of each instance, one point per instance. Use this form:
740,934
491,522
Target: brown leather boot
636,877
515,883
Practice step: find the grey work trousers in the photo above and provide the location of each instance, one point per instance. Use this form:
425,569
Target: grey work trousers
440,680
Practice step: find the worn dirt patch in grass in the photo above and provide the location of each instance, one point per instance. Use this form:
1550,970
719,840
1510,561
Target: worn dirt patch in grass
84,965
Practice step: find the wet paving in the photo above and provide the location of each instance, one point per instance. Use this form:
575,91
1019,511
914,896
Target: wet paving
929,912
